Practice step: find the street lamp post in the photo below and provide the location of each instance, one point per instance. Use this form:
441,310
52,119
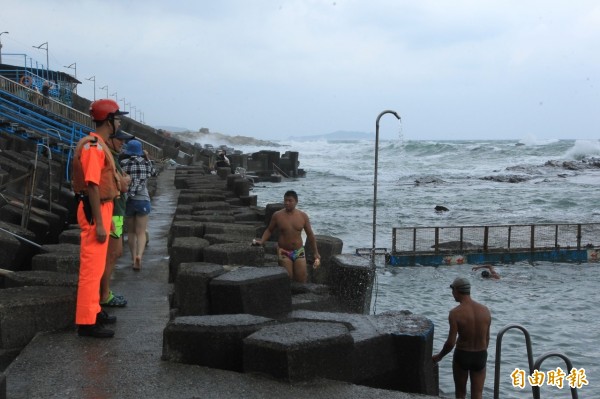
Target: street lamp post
124,110
73,66
1,33
115,94
47,58
93,79
105,87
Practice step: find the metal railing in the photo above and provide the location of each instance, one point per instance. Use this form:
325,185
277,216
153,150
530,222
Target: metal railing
499,354
34,97
495,238
26,107
533,366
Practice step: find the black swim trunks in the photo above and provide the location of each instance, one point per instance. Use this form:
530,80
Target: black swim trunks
470,361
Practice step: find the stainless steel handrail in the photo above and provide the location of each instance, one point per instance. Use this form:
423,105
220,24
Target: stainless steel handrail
538,363
499,354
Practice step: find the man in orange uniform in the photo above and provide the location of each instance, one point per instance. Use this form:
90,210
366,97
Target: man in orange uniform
96,184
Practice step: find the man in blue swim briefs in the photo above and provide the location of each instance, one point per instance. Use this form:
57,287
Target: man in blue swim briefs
290,222
471,321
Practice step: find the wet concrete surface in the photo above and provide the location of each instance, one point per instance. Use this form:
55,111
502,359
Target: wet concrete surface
64,365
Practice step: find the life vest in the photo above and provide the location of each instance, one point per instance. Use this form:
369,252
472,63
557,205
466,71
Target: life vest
109,178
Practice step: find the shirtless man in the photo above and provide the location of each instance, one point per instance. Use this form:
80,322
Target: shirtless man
471,321
290,249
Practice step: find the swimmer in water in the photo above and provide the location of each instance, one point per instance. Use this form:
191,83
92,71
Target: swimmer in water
489,273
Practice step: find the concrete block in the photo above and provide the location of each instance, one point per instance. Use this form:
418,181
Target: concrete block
55,224
270,209
25,311
231,179
37,225
60,261
241,188
41,278
223,172
373,361
22,257
300,351
412,337
185,229
185,209
191,287
249,200
236,253
70,236
227,238
211,341
328,247
352,282
9,249
213,218
6,358
65,247
312,297
2,386
210,205
246,215
260,291
185,250
181,218
190,197
228,228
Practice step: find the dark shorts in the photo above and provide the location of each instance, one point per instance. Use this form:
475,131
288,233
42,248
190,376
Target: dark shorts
470,361
137,208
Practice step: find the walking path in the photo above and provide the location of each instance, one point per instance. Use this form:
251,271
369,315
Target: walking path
64,365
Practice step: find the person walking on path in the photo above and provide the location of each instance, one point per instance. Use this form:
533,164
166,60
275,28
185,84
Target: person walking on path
138,166
471,321
96,184
115,242
290,222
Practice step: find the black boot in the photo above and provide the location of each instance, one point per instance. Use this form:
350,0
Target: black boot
94,330
105,318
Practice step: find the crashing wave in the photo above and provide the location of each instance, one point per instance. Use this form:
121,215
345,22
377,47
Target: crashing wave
205,137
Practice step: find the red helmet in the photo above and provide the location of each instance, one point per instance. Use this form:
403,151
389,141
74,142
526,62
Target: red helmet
101,110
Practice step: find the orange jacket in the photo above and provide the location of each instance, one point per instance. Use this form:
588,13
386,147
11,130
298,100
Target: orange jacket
108,182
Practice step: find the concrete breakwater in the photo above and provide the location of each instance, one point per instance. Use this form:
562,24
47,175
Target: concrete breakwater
232,307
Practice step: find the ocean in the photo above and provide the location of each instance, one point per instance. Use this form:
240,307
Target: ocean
481,182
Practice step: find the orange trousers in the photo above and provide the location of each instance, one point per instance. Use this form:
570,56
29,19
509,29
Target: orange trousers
92,261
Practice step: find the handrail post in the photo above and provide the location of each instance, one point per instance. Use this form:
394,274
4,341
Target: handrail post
486,232
375,178
499,354
538,364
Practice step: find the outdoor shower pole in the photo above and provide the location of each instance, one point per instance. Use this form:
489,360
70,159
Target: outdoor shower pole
375,180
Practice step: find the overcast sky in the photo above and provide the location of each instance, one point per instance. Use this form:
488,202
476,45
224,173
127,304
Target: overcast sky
272,69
